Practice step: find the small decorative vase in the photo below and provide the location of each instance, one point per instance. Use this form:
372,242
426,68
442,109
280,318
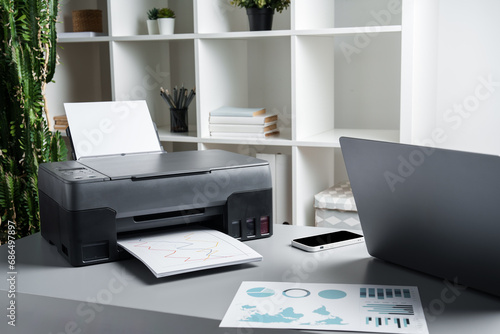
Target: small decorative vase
166,26
153,27
260,18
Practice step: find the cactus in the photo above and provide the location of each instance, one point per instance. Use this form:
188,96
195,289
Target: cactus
27,63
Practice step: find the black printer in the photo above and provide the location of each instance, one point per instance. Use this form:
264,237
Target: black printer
88,203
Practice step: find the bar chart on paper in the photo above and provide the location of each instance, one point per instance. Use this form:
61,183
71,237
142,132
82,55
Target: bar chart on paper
381,293
388,308
344,307
388,322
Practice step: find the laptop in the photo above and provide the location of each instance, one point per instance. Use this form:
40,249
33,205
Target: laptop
432,210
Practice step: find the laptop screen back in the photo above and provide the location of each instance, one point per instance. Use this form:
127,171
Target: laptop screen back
432,210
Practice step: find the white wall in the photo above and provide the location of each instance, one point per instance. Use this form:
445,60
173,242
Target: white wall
456,75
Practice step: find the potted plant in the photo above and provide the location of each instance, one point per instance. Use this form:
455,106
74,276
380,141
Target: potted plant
260,12
166,21
152,21
27,63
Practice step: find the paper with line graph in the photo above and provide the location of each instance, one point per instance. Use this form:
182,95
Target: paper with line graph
179,251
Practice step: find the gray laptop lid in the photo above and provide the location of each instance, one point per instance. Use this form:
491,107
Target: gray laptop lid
432,210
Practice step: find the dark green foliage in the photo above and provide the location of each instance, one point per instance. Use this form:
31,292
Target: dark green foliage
27,64
166,13
153,14
278,5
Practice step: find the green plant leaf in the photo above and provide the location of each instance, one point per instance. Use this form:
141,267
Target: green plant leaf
28,33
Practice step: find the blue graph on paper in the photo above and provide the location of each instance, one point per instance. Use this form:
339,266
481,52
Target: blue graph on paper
343,307
288,315
322,316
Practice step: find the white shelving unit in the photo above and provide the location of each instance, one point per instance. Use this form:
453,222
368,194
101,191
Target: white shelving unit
329,68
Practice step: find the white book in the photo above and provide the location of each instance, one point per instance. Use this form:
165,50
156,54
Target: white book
259,119
245,134
184,250
237,112
253,128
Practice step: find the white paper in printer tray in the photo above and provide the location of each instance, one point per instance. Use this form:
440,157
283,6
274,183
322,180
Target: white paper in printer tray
184,250
108,128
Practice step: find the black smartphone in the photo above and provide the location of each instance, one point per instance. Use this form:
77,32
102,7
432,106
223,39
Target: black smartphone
327,241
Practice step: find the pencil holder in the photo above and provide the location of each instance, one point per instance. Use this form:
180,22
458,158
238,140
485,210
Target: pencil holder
178,120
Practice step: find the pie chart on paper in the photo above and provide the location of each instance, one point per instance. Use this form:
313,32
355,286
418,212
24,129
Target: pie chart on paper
260,292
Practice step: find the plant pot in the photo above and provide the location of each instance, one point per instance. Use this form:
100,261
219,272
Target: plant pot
153,27
260,18
166,26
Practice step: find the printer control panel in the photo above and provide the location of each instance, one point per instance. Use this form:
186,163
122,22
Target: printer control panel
74,171
81,173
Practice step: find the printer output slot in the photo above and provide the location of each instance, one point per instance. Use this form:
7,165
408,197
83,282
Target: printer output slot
165,176
213,215
167,215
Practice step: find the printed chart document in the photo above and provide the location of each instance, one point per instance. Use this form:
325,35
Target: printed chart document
341,307
184,250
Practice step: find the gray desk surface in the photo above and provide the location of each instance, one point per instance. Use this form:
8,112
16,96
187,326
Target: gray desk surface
124,297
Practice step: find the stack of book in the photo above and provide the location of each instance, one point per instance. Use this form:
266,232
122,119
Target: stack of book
60,123
242,122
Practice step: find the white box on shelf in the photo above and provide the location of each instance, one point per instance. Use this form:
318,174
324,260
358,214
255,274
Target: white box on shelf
335,207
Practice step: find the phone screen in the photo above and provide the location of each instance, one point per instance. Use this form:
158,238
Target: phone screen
328,238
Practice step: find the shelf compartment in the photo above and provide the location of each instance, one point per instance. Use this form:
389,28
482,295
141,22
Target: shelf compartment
315,169
368,82
65,18
128,17
215,16
312,173
142,67
314,85
240,73
326,14
82,75
341,84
